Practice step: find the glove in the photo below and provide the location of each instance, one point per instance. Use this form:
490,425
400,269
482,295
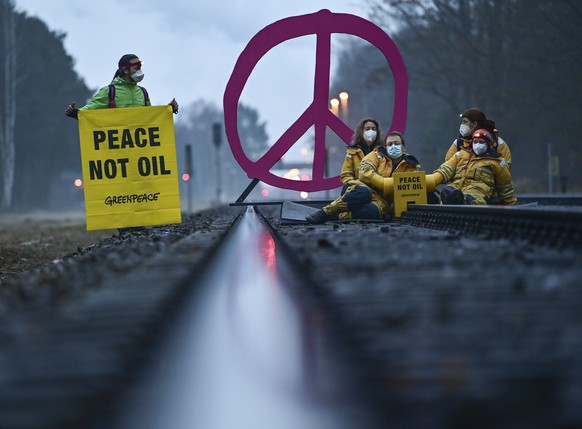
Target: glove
433,180
71,111
174,105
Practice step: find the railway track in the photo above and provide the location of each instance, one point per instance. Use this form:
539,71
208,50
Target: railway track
542,225
258,355
401,313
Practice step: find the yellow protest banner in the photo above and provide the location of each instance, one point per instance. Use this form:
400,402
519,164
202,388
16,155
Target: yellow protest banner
408,188
130,172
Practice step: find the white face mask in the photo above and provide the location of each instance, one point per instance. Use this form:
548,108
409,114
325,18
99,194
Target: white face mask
394,151
464,130
370,135
479,148
137,76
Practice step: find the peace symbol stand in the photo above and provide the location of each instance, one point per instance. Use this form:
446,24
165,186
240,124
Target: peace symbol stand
240,200
291,211
322,24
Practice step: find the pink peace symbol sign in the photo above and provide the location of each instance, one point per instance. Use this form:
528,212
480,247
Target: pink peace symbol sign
317,114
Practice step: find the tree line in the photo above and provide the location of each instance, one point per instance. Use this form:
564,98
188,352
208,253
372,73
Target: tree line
39,146
518,60
37,143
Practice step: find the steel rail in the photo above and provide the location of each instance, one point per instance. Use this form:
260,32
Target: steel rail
249,352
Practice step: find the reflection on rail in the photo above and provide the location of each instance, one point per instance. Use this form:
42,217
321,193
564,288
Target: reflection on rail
250,353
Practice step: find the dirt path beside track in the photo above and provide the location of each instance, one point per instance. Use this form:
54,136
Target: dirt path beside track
33,239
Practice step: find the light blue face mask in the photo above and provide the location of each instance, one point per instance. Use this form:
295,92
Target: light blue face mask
394,151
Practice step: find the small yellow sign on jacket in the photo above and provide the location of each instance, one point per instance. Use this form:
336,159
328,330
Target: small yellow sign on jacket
130,172
408,188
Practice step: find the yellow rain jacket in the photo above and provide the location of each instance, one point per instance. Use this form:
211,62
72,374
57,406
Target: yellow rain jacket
479,176
376,166
354,155
465,144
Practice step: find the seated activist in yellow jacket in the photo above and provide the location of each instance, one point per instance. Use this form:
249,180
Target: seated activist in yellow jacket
355,196
382,163
471,120
473,176
367,136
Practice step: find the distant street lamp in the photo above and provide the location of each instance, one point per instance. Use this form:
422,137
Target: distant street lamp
334,106
344,105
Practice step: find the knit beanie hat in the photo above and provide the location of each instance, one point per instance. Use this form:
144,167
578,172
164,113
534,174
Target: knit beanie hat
483,134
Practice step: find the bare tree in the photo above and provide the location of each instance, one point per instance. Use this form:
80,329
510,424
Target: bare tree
519,60
8,105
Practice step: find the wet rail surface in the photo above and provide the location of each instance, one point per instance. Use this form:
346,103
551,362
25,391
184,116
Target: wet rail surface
76,333
440,329
252,351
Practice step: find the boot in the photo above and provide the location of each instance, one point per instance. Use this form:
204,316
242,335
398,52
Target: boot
318,217
329,212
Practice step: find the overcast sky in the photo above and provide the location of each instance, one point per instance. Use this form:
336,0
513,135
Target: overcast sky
189,48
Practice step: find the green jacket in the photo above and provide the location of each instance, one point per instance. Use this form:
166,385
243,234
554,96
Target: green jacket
127,94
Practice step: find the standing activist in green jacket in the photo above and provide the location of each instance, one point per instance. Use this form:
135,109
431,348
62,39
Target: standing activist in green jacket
123,90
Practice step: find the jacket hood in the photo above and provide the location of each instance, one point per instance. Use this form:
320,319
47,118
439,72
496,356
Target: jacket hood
363,147
120,81
491,153
411,159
